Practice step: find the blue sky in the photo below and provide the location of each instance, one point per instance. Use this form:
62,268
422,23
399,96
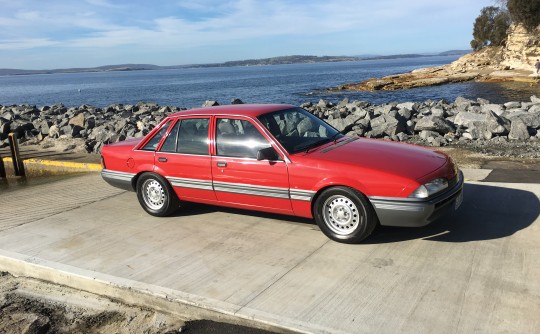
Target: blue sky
51,34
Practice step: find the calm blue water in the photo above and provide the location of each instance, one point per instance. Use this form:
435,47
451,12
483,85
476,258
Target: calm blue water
293,84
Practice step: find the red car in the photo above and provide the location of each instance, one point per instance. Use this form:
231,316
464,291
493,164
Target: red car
283,159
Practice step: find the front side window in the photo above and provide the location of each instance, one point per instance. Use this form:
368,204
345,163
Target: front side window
238,138
297,130
193,136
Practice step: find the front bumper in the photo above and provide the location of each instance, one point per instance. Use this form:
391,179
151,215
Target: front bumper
412,212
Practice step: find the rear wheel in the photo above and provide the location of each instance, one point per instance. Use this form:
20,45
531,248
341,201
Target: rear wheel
156,195
344,215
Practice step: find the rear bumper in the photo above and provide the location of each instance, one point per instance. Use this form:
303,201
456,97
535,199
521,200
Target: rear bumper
411,212
120,180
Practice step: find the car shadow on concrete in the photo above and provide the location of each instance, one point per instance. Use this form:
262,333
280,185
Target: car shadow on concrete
488,212
193,209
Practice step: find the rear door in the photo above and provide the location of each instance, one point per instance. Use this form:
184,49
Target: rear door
239,179
184,159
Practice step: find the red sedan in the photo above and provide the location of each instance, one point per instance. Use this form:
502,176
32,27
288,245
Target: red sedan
283,159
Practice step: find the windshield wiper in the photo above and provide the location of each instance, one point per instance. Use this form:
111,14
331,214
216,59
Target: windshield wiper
317,143
334,137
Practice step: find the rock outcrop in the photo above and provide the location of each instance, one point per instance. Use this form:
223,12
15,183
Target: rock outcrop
512,62
522,49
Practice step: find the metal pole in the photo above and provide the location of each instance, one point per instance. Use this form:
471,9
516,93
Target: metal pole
18,164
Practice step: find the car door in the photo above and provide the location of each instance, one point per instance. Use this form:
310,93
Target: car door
184,159
239,179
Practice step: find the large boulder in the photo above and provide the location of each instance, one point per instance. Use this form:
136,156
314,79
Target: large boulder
465,119
463,104
477,130
210,103
512,105
44,127
388,124
497,125
434,123
77,120
496,108
531,119
518,130
54,131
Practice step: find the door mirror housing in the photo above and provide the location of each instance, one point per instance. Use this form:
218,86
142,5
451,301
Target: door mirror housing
267,153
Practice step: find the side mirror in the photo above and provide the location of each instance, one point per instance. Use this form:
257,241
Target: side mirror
267,153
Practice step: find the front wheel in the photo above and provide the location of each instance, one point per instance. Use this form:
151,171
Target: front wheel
344,215
156,195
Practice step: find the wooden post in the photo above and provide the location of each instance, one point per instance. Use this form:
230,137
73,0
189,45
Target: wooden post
2,168
18,164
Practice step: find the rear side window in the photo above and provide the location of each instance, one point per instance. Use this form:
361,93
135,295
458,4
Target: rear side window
188,136
169,145
153,143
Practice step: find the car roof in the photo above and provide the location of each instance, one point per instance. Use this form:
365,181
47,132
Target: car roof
252,110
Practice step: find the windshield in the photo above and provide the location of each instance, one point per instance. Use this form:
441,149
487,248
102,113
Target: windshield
298,130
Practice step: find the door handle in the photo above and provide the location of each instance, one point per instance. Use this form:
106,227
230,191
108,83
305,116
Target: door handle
221,164
162,159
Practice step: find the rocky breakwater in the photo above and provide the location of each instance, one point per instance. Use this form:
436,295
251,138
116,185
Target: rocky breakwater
83,128
510,129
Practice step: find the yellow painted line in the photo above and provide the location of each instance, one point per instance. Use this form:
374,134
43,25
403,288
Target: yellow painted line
64,164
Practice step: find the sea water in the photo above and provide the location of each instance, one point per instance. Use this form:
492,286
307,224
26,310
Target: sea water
294,84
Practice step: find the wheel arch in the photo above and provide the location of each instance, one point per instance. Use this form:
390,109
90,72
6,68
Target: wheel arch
327,184
335,185
136,178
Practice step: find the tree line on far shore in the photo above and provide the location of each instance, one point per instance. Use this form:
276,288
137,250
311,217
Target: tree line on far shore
491,26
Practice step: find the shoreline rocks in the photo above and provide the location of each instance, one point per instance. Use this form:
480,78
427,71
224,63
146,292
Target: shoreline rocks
477,123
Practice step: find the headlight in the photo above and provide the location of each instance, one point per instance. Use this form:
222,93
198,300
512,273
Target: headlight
430,188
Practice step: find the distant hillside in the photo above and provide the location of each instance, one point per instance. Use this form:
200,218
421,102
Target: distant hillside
455,52
106,68
295,59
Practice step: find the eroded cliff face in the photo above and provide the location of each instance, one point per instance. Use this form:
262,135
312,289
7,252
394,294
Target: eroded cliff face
522,48
512,62
521,51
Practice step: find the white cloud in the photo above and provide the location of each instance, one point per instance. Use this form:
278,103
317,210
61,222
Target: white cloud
30,43
113,26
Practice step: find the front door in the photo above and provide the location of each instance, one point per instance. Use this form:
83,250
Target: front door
239,179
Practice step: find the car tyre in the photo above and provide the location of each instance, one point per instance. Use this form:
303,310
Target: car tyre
344,215
156,195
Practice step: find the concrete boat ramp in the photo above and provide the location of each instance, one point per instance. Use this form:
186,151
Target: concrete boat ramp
476,270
